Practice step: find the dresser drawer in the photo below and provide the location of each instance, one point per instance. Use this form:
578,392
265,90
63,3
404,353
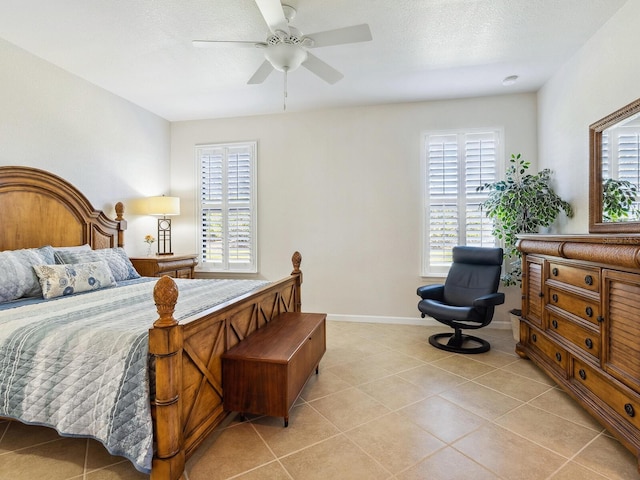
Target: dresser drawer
184,273
554,353
584,308
582,277
620,399
586,339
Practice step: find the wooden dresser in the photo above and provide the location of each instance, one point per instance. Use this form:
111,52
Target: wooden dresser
176,266
581,322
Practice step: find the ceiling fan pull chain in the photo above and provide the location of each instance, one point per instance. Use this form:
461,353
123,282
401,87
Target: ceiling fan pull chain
284,100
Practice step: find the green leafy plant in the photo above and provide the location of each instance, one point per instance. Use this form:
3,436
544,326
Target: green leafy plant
618,197
521,203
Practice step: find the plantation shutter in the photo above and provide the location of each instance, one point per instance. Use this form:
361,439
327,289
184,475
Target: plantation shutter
621,157
456,164
481,167
227,207
443,210
629,156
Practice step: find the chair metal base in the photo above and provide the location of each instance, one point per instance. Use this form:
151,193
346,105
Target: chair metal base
456,342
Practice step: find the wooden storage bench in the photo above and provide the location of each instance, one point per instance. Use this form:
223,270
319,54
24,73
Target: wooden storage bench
265,373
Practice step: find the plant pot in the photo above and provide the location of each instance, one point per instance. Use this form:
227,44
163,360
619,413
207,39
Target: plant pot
514,315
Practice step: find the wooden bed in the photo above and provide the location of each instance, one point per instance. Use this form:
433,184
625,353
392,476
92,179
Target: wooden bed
39,208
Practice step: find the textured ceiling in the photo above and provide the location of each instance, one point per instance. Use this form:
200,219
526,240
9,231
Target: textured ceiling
421,50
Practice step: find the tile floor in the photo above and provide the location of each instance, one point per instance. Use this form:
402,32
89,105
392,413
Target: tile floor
386,405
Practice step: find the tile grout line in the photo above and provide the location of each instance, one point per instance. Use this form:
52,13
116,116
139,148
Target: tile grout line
86,460
575,455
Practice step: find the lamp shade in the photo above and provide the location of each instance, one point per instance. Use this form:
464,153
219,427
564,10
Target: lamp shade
163,205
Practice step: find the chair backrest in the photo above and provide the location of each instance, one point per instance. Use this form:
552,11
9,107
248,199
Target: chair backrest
475,272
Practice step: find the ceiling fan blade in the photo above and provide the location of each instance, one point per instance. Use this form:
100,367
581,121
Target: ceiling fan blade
273,14
212,43
261,74
322,69
339,36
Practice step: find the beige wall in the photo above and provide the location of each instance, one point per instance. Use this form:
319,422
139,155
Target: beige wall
343,187
107,147
602,77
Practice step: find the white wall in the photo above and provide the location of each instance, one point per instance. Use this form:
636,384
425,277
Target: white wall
602,77
110,149
343,187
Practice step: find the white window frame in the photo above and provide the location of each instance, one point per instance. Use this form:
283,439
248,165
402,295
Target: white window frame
440,269
227,264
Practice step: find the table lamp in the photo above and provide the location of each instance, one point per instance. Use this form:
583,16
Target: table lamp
163,206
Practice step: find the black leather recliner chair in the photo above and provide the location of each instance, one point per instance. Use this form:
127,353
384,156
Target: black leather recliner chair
466,300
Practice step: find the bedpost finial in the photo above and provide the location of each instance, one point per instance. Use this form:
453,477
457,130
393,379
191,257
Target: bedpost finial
165,294
119,211
296,259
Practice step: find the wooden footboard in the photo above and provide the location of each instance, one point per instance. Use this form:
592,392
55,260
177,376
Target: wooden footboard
187,403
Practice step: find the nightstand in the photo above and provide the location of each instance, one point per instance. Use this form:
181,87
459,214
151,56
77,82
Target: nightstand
177,266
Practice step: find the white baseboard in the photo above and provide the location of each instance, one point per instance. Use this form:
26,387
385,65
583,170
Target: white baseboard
427,321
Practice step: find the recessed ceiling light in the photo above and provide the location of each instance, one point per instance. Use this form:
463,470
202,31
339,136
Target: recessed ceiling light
510,80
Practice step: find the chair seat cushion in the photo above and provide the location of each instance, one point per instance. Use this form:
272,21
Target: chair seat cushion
443,312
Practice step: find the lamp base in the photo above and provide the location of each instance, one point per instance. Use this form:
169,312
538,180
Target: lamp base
164,236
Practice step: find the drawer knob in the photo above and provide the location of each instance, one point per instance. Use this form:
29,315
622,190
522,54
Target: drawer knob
600,319
588,280
630,410
541,294
534,337
554,323
583,374
589,311
558,356
554,272
589,343
554,297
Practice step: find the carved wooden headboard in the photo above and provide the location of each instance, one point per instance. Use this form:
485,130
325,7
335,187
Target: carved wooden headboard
38,208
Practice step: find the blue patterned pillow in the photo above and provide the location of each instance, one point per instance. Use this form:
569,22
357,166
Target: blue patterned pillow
17,278
59,280
117,259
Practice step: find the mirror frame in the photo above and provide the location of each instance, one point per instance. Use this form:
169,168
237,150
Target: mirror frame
596,225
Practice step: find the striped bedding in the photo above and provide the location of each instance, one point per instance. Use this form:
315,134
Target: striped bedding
79,364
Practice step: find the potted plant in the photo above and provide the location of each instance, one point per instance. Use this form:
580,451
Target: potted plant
521,203
618,197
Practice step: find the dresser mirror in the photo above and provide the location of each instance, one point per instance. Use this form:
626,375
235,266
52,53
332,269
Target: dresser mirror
614,176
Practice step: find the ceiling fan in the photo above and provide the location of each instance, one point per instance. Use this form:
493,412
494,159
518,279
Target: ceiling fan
286,48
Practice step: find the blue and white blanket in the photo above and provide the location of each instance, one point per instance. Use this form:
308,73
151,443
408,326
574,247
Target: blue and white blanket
79,364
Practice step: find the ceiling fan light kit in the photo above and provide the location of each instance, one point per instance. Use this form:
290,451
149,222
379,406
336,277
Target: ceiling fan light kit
285,57
286,48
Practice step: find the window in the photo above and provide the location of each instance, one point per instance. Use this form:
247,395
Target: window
454,165
227,208
621,159
624,142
